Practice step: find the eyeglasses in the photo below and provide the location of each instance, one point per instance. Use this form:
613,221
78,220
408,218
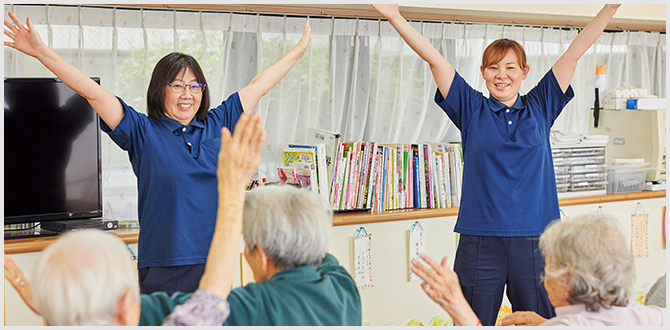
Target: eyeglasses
180,87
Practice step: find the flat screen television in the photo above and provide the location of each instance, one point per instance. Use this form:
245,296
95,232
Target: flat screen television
52,153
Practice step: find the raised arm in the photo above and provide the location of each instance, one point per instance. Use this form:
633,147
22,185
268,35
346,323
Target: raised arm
268,78
26,40
238,159
564,68
443,72
441,284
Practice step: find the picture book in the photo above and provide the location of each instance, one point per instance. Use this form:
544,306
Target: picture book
330,140
321,168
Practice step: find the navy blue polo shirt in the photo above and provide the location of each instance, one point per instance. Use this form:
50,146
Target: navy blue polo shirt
175,167
509,186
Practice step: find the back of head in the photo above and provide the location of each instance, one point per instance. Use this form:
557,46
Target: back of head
80,278
291,224
595,255
497,50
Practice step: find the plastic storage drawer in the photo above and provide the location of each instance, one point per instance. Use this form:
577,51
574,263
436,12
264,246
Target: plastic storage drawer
625,182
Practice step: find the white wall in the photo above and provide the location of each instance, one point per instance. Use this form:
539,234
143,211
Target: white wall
394,299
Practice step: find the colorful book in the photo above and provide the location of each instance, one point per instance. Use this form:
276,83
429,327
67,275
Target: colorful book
304,156
321,167
306,175
288,174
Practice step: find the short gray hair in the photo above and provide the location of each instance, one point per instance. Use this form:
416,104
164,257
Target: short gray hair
291,224
80,278
595,255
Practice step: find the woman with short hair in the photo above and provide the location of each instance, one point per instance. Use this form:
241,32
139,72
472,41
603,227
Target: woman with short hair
509,186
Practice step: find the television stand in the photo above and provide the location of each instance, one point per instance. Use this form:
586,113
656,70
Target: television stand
28,233
72,225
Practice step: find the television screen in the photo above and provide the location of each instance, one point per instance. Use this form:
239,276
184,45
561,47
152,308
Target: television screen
52,153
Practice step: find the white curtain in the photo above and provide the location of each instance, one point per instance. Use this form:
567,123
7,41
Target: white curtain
358,77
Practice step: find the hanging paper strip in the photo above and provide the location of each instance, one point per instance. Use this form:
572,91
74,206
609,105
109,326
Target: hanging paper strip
363,259
417,245
639,233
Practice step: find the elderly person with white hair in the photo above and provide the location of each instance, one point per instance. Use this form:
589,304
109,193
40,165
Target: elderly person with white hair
87,277
589,273
286,234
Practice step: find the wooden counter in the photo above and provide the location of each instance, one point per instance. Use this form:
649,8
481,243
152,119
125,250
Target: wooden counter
355,218
37,244
129,236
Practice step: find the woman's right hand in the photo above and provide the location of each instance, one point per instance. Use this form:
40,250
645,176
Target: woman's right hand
25,39
388,11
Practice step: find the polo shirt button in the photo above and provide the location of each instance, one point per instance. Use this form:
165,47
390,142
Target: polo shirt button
189,143
507,110
509,122
183,129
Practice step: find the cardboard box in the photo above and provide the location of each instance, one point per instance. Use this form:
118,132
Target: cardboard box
615,104
648,104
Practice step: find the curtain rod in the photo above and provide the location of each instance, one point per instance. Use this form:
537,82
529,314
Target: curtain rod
248,11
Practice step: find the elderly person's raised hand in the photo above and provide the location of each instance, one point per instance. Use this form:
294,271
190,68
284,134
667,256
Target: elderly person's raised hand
15,276
441,284
240,153
239,157
519,318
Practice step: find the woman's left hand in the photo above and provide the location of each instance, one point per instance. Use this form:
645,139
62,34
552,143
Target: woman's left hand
15,276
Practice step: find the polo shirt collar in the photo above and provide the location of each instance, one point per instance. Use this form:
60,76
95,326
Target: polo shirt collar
298,274
174,125
496,105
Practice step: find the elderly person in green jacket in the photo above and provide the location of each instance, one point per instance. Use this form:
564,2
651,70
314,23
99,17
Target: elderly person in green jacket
286,234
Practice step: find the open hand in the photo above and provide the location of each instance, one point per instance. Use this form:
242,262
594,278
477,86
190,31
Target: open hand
441,284
304,40
24,39
388,11
522,319
241,153
15,276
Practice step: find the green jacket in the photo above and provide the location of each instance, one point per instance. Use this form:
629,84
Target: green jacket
308,295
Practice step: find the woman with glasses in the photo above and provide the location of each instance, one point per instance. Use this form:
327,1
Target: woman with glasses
173,151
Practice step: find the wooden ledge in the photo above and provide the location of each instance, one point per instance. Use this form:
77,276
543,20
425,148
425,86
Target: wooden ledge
130,236
356,218
37,244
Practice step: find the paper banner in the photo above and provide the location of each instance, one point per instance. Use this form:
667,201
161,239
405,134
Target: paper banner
417,245
639,234
363,259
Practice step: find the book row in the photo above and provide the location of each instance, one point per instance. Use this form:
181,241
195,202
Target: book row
375,176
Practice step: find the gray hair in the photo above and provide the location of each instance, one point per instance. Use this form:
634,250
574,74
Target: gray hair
80,278
596,257
291,224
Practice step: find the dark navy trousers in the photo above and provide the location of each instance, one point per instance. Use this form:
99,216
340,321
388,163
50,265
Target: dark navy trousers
170,279
486,264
